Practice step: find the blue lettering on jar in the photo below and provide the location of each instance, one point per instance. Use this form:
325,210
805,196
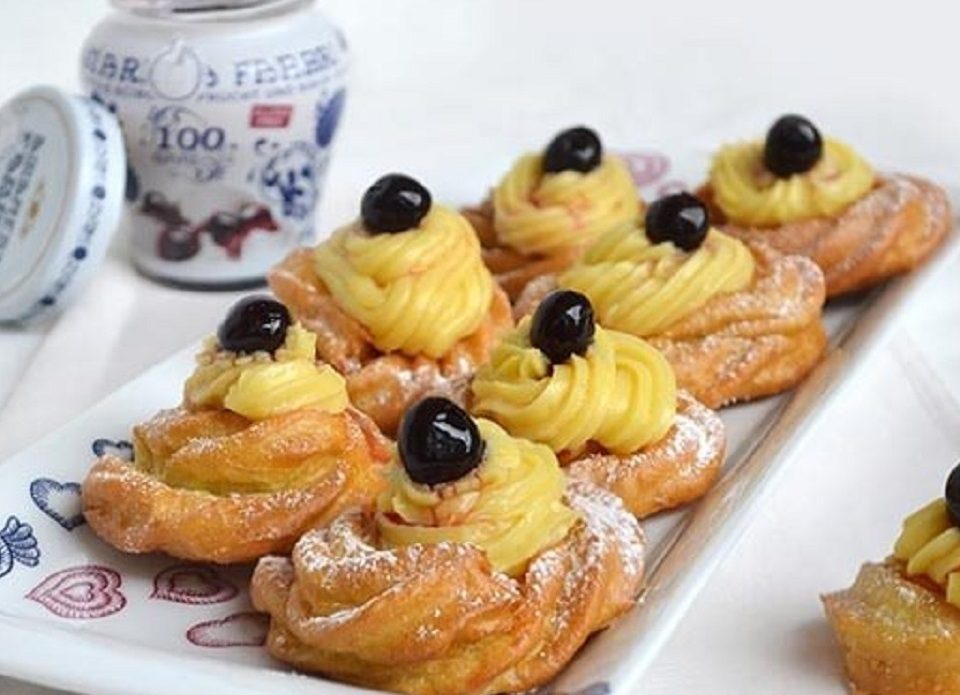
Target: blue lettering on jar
283,67
188,145
109,66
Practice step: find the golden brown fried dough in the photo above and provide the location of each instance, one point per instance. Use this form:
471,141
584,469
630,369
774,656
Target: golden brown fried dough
439,620
889,231
899,636
210,485
678,469
743,345
512,269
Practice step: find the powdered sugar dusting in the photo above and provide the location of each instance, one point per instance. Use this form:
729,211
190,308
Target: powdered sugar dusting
723,349
610,526
340,576
677,469
865,243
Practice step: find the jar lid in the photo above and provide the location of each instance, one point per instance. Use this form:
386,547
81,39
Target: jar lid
62,177
168,9
186,5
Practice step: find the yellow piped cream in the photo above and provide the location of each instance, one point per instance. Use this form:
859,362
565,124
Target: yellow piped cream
511,506
929,546
261,385
748,194
419,291
621,394
549,213
643,288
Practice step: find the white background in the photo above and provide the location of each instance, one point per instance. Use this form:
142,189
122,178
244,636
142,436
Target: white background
452,90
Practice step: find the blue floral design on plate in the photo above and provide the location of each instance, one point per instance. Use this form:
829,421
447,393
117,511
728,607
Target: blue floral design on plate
17,545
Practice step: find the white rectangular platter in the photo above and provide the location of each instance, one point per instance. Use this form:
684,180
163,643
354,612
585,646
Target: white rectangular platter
75,614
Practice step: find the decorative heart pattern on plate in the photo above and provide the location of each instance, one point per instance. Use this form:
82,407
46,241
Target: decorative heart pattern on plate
194,585
120,448
81,593
59,501
646,167
238,630
17,545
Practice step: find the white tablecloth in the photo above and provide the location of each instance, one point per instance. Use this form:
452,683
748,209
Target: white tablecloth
451,91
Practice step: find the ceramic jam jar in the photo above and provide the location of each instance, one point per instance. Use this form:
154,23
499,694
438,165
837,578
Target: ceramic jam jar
228,110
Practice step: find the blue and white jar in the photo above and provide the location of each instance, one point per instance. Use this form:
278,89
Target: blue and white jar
229,110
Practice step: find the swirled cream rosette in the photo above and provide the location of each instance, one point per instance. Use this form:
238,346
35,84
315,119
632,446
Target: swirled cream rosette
612,415
402,314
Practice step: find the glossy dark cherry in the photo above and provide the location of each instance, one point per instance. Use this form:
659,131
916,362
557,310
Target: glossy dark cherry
254,323
562,325
178,244
574,149
223,227
394,203
679,218
952,495
438,442
793,146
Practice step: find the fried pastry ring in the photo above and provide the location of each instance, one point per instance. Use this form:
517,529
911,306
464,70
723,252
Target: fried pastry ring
889,231
743,345
899,636
439,620
210,485
381,385
678,469
512,269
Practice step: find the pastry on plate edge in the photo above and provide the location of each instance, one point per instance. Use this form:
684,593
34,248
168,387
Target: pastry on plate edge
899,624
483,571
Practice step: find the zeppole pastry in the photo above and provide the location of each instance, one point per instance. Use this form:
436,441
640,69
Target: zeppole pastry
399,300
736,320
552,205
605,402
815,196
264,447
482,571
899,624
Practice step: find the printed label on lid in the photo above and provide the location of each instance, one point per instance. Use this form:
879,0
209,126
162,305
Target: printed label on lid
34,151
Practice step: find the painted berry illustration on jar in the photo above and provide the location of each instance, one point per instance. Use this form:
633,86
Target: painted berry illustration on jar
228,140
180,239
